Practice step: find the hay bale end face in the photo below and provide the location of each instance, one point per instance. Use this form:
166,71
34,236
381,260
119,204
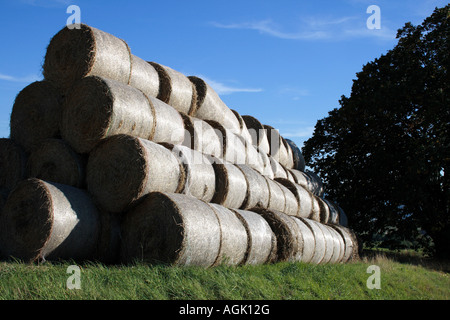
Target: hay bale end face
171,228
76,53
36,114
13,162
56,161
97,108
262,243
48,221
287,233
122,169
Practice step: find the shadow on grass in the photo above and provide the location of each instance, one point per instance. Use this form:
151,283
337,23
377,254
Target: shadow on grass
407,257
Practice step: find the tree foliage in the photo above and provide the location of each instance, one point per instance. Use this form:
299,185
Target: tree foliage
384,155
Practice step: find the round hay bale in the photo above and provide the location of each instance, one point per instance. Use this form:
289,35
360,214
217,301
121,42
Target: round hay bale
76,53
13,162
211,107
257,133
97,108
315,212
277,200
329,243
289,163
319,240
175,89
348,242
277,168
171,228
304,198
289,175
287,233
168,123
144,77
316,183
324,210
262,242
108,247
234,241
334,211
243,132
123,168
48,221
339,245
201,136
36,114
291,207
231,185
200,178
233,146
297,156
300,178
266,164
257,191
3,197
253,157
56,161
309,243
277,148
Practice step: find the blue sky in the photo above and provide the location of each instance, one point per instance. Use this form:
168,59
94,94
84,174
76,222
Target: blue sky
286,63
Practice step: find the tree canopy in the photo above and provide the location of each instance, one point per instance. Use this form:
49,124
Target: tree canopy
384,154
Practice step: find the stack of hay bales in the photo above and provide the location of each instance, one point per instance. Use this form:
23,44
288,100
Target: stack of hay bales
117,159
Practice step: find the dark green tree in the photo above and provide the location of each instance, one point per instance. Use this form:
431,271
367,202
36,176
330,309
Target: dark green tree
384,155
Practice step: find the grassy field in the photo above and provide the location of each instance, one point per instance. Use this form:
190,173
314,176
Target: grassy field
402,277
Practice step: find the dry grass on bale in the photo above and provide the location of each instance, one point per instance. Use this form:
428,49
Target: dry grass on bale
171,228
36,114
176,89
257,133
200,178
257,191
287,232
56,161
234,239
48,221
211,107
262,242
13,160
231,185
123,168
97,108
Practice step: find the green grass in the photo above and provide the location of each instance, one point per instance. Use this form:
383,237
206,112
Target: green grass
402,277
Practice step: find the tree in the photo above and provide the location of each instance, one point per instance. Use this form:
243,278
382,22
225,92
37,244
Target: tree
384,155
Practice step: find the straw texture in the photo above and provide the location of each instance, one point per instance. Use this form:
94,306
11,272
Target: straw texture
13,162
36,114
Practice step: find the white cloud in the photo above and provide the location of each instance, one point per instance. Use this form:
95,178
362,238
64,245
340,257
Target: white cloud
28,78
317,28
223,89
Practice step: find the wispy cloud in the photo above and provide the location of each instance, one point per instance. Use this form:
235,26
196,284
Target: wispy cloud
304,132
269,28
223,89
316,28
28,78
295,93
